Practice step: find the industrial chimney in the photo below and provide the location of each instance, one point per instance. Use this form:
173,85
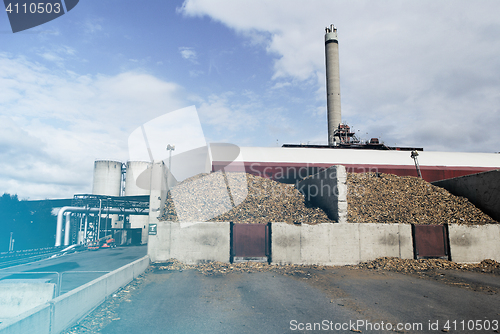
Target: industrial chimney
332,83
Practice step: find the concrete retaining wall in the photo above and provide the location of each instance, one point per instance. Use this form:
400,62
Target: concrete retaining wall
326,244
470,244
65,310
482,190
17,298
339,244
327,190
190,243
36,320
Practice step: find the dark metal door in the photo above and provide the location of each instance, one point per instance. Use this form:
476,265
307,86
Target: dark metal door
250,242
430,241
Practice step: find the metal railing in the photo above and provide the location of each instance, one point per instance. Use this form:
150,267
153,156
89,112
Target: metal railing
8,259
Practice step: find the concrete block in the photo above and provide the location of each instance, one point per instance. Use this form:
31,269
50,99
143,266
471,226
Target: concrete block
118,278
140,266
405,241
344,244
285,243
17,298
159,244
326,190
378,240
342,212
472,244
342,183
339,244
36,320
315,244
191,243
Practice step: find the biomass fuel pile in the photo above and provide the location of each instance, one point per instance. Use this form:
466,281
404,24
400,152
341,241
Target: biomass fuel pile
371,198
266,201
387,198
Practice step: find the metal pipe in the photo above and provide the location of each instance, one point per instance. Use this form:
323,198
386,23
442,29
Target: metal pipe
99,223
67,228
84,238
63,210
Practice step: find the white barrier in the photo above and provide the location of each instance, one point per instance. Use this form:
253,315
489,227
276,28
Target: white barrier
191,243
339,244
65,310
472,244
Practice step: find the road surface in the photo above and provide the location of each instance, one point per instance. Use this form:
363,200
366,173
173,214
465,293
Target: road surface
76,268
334,300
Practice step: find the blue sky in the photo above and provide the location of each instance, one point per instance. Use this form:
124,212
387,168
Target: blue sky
414,73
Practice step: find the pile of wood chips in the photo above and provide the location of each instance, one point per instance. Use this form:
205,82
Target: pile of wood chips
371,198
221,268
251,199
413,266
384,263
387,198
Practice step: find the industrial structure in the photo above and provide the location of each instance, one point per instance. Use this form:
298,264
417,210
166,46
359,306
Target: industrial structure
332,85
118,207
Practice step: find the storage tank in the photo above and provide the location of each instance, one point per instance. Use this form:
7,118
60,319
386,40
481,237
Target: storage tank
108,182
137,183
133,185
107,178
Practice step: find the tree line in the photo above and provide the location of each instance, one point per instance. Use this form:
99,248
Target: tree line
32,223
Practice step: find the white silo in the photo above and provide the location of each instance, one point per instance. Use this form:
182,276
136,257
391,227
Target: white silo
107,178
136,184
108,182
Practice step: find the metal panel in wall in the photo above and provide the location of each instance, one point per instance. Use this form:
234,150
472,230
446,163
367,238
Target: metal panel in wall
250,240
430,241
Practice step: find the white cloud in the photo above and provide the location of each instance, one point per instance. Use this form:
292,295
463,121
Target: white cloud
92,26
188,53
54,124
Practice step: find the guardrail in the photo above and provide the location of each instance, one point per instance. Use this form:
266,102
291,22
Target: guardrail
8,259
25,252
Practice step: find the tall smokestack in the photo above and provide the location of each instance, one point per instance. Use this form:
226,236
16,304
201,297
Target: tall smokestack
332,82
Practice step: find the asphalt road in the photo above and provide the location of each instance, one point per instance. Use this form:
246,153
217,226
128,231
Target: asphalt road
338,300
76,268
